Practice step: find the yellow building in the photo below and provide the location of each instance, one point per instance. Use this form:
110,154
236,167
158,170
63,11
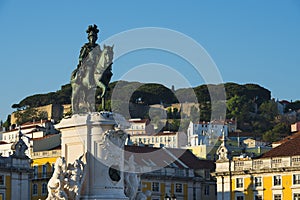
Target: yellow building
172,173
273,176
43,166
54,111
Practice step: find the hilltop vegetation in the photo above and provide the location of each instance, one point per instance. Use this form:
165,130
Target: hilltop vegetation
250,104
150,93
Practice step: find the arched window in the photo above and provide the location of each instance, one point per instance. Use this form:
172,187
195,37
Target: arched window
34,189
44,188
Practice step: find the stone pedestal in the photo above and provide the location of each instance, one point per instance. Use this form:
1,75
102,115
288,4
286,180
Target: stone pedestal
93,135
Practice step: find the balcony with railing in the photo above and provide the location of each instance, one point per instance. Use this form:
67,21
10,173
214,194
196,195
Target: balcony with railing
41,176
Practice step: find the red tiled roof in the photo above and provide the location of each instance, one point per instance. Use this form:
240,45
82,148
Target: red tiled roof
284,102
193,162
163,157
287,138
156,156
288,148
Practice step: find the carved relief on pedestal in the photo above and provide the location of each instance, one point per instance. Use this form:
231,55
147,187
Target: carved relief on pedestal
66,180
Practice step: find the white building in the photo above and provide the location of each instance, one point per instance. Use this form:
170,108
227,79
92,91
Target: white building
201,133
166,139
32,132
140,127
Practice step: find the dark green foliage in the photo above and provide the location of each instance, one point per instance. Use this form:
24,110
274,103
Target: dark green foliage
279,131
7,124
252,92
269,110
153,93
248,103
202,93
62,96
238,107
293,106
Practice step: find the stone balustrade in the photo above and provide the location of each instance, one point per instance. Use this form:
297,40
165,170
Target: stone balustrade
243,164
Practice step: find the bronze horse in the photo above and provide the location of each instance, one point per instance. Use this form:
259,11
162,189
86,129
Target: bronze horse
95,71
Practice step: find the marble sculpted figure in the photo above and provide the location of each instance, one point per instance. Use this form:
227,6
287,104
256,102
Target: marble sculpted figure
66,180
132,181
93,70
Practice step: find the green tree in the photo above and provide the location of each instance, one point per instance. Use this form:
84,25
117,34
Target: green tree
169,113
238,107
279,131
268,110
7,123
175,113
271,136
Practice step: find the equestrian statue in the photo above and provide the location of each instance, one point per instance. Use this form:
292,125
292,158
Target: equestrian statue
93,70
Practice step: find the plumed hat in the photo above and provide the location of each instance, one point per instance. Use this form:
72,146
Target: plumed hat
92,30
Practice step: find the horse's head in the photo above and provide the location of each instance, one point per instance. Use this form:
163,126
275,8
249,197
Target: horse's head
107,54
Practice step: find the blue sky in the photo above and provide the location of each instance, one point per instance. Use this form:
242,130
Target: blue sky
250,41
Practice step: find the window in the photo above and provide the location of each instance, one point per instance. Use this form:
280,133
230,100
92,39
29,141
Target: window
206,190
44,171
34,189
258,181
2,180
239,183
296,159
155,186
296,179
277,196
178,188
258,197
296,196
194,194
207,174
35,172
277,180
240,198
44,188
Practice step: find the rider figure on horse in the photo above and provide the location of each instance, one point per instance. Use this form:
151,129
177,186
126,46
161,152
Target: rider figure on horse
92,32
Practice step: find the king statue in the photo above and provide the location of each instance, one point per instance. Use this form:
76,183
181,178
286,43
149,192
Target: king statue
93,70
